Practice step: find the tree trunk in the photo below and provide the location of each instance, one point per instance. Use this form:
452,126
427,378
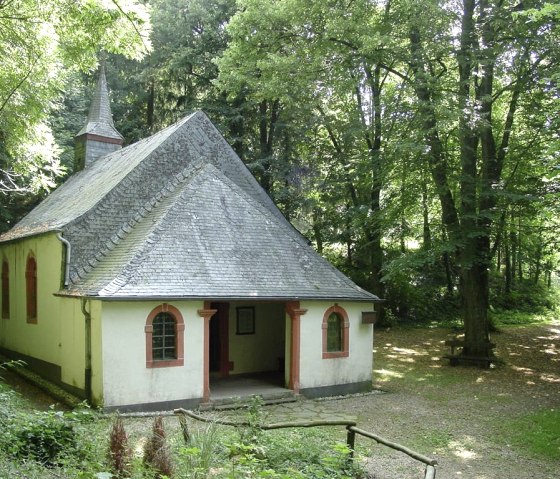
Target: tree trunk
266,137
474,288
426,233
150,106
475,254
508,269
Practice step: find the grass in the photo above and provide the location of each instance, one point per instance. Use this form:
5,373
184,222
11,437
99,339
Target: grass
537,432
520,318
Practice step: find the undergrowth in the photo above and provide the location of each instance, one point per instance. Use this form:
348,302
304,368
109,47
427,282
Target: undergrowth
84,444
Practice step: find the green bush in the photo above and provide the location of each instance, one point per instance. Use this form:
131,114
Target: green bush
43,437
525,295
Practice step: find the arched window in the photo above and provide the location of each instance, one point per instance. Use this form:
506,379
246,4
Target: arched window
5,290
164,337
31,289
335,333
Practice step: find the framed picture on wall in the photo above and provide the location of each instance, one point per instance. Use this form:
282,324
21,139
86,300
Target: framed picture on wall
245,320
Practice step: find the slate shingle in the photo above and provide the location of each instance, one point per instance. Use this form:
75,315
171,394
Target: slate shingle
178,215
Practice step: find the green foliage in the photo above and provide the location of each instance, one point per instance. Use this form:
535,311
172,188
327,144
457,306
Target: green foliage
525,296
43,437
201,453
537,432
42,43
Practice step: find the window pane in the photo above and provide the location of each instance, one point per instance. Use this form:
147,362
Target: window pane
169,353
158,328
164,337
334,333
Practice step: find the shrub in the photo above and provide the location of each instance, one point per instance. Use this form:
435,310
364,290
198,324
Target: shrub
42,436
120,454
156,453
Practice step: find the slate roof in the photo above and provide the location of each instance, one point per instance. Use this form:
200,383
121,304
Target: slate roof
178,215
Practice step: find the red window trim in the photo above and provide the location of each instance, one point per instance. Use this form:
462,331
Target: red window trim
179,337
5,290
31,288
345,333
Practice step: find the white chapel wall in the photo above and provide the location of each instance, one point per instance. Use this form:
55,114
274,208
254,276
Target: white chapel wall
126,379
318,372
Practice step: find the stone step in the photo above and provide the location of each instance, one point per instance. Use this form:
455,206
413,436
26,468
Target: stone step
241,402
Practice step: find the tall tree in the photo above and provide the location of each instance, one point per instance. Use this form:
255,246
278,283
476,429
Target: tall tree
42,42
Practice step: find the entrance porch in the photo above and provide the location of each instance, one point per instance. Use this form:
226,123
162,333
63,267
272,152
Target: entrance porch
250,348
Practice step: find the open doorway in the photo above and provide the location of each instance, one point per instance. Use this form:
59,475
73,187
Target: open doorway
247,348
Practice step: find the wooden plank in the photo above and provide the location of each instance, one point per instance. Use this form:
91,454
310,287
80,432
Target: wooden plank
396,446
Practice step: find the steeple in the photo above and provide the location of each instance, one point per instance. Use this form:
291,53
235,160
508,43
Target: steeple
99,136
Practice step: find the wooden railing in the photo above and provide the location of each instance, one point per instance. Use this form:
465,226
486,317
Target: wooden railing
352,430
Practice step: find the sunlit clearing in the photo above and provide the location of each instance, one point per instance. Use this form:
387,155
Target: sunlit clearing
401,359
139,447
411,352
527,371
462,450
388,374
550,378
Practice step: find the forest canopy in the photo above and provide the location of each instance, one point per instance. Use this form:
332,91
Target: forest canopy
416,144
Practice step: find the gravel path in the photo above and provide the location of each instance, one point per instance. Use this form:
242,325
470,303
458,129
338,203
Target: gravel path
457,415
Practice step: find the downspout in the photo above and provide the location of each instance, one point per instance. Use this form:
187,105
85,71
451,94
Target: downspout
87,379
68,253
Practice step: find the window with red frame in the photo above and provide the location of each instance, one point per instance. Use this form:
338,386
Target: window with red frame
31,289
5,290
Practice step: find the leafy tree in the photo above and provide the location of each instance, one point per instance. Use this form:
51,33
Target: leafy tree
42,43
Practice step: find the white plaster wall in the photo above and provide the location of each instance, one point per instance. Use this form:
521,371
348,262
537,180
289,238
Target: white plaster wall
126,380
262,350
357,367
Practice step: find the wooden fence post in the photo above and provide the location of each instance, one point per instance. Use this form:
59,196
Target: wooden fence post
350,441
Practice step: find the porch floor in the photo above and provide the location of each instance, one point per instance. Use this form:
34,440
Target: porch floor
268,385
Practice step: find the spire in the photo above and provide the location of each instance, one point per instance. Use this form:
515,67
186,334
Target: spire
99,136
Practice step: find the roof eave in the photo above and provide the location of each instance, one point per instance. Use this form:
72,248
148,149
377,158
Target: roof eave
373,299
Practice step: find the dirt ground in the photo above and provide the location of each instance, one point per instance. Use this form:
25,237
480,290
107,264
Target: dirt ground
459,415
456,415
